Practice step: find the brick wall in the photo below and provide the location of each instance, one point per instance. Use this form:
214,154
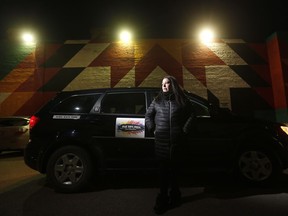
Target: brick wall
248,78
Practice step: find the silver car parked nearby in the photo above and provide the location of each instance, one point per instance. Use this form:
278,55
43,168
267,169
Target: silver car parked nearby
14,133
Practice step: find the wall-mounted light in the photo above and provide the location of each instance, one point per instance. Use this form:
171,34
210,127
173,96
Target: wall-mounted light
28,38
125,36
206,35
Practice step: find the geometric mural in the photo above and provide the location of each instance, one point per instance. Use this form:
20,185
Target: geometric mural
232,73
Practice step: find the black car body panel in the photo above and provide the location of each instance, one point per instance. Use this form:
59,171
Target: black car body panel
109,124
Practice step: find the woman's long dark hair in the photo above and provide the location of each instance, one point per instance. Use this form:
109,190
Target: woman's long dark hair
175,89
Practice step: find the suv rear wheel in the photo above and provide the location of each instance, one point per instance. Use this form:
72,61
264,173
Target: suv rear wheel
69,169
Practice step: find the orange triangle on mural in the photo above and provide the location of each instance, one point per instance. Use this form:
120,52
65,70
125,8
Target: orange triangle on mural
39,79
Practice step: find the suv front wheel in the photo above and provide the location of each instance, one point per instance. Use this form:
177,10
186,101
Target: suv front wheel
69,169
257,166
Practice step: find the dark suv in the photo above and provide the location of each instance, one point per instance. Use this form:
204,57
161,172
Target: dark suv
80,133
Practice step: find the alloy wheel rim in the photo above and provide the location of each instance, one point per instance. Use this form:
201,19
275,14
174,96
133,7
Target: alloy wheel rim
69,169
255,166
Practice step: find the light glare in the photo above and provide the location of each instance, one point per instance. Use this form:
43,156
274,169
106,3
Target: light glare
125,36
28,38
206,35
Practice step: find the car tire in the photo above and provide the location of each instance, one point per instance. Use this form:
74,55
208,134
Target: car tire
257,166
69,169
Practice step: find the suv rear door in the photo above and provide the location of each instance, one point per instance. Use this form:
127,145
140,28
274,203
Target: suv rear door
118,122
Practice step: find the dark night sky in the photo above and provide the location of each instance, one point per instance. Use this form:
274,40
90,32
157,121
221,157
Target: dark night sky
246,19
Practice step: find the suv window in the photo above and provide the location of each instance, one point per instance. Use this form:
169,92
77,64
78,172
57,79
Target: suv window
77,104
124,103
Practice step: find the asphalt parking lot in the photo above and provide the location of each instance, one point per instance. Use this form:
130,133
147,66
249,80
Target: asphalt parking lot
25,192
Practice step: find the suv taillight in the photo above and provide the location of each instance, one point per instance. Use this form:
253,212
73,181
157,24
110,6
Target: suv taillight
33,121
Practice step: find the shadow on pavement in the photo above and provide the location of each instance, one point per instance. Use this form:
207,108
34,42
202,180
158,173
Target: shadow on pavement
134,194
221,186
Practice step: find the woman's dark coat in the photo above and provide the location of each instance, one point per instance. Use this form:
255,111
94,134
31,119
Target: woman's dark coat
168,120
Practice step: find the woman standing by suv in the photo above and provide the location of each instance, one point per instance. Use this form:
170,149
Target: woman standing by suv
169,116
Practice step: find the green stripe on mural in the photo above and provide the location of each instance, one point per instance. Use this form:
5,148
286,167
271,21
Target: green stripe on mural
11,54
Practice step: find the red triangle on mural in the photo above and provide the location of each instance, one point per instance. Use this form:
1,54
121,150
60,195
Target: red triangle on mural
119,57
45,51
37,99
157,56
196,56
199,73
28,62
117,73
37,80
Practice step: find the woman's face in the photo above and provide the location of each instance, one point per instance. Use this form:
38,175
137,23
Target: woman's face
165,85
